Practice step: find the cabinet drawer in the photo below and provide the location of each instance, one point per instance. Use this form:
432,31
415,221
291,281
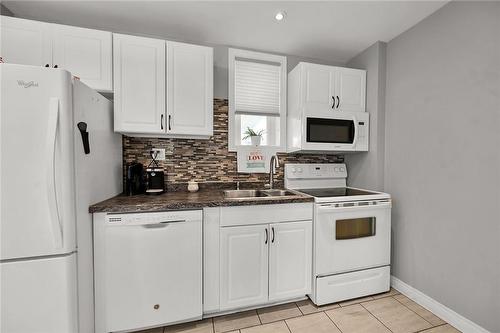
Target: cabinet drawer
340,287
262,214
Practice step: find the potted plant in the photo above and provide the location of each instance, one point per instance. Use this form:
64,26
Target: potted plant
255,137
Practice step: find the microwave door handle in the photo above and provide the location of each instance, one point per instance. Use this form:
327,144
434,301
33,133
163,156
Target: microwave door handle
356,129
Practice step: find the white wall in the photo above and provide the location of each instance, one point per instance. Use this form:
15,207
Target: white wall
366,170
443,158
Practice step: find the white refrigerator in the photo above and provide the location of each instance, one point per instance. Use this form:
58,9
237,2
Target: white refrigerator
47,183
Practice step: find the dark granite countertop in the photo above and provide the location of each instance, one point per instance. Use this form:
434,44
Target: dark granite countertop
183,200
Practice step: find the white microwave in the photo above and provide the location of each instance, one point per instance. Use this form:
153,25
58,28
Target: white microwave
339,132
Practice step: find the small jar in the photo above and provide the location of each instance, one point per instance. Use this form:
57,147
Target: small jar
193,186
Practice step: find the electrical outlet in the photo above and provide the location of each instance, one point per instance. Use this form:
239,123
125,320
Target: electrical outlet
161,153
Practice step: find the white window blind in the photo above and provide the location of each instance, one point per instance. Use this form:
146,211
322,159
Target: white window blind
257,87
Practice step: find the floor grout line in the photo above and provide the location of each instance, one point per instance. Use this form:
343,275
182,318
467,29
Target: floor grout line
326,314
380,321
418,314
430,328
288,327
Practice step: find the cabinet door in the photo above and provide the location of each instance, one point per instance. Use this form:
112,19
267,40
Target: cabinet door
25,42
189,89
318,87
243,261
139,84
351,89
290,257
85,53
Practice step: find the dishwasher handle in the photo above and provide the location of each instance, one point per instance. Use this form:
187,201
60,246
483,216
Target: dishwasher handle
161,224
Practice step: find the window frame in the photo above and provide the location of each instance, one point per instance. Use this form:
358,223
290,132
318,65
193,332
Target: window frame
232,122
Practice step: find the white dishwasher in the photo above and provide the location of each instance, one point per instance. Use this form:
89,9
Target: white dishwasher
148,269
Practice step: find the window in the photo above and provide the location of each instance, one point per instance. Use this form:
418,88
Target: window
257,98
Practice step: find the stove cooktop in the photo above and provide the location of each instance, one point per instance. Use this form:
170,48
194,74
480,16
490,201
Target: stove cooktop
335,192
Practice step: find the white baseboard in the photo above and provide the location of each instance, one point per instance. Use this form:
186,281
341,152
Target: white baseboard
459,322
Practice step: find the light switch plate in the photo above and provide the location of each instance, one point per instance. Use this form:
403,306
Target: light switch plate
161,153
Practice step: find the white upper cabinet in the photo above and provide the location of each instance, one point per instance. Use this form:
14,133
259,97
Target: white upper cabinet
162,88
86,53
322,89
26,42
350,89
139,77
189,89
319,86
243,266
290,260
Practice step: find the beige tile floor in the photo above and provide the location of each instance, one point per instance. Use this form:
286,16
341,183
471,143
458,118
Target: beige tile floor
389,312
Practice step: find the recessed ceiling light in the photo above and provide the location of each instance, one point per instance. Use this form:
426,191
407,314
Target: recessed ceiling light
280,16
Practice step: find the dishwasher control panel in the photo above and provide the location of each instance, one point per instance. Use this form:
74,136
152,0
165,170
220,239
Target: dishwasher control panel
153,217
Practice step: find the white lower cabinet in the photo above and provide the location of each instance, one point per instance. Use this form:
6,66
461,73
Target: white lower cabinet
244,262
264,263
290,257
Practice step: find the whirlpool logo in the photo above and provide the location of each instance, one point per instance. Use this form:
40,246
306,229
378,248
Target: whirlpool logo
25,84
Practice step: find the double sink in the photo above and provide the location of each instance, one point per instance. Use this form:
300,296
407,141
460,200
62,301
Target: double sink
258,194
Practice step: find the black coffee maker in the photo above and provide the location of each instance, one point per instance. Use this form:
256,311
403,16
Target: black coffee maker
155,176
135,182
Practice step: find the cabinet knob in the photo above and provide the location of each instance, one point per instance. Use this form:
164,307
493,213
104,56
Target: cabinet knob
55,66
47,65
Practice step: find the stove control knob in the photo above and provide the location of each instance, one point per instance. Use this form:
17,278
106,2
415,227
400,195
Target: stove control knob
299,169
336,169
294,169
342,169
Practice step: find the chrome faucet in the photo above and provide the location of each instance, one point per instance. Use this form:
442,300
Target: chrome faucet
274,163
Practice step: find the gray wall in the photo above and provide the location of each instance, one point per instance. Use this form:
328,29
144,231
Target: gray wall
443,158
367,169
5,11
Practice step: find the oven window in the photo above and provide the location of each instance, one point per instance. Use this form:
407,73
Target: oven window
330,130
355,228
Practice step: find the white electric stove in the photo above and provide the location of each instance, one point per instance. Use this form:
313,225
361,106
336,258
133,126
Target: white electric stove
351,233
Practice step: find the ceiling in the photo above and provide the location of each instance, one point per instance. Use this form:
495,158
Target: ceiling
329,30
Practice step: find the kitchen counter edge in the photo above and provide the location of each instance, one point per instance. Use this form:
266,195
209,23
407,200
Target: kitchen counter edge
183,200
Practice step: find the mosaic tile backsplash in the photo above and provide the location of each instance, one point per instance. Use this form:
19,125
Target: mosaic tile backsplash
207,162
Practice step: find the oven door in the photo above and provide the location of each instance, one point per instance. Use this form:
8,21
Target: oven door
336,133
351,238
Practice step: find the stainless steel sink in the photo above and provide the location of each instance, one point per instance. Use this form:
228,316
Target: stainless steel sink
257,194
243,194
278,193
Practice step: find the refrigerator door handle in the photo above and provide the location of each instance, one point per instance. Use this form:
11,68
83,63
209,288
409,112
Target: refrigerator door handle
51,181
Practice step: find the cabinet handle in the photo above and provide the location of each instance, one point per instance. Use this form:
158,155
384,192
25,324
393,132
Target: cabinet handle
55,66
272,239
161,121
47,65
266,237
333,104
169,122
338,101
